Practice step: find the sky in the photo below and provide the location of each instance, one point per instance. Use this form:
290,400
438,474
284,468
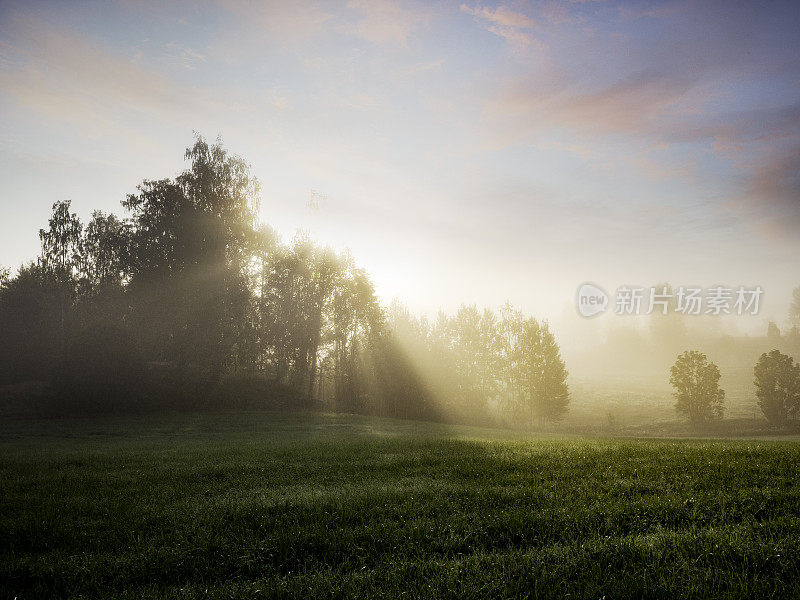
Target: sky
465,152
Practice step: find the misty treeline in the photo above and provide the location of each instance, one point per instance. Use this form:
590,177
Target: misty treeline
754,372
645,349
189,301
699,395
479,362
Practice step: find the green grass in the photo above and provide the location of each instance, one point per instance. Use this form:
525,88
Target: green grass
259,505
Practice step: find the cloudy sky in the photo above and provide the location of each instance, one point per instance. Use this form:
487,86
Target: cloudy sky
464,151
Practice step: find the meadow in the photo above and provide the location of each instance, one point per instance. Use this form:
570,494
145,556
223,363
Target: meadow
265,505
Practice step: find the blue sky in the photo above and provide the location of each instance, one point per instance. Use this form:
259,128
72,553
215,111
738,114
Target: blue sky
463,151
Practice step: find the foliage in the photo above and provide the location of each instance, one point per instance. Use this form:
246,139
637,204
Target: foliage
480,361
794,308
697,392
31,322
61,241
777,380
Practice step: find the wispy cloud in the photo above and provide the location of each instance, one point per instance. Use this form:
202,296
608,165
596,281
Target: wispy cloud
66,76
632,105
689,106
512,26
502,16
62,77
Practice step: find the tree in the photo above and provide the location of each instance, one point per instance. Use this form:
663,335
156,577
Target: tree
773,333
297,286
355,319
511,321
469,347
777,380
544,376
697,392
190,248
794,308
61,257
61,241
31,325
104,252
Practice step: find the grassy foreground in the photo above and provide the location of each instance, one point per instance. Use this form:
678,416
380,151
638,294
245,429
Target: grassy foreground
259,505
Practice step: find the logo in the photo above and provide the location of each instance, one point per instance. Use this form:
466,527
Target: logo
591,300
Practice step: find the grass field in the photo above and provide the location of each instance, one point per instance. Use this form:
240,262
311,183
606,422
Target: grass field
260,505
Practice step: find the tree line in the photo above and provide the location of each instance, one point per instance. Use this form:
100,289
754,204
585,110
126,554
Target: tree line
189,300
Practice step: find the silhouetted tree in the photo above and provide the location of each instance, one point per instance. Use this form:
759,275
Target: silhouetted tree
192,241
30,321
355,318
61,241
104,255
60,258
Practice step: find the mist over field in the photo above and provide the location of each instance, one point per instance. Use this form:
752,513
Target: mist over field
393,298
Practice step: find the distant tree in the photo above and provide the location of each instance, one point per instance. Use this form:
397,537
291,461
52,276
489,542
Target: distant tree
794,308
777,380
697,392
773,333
544,376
